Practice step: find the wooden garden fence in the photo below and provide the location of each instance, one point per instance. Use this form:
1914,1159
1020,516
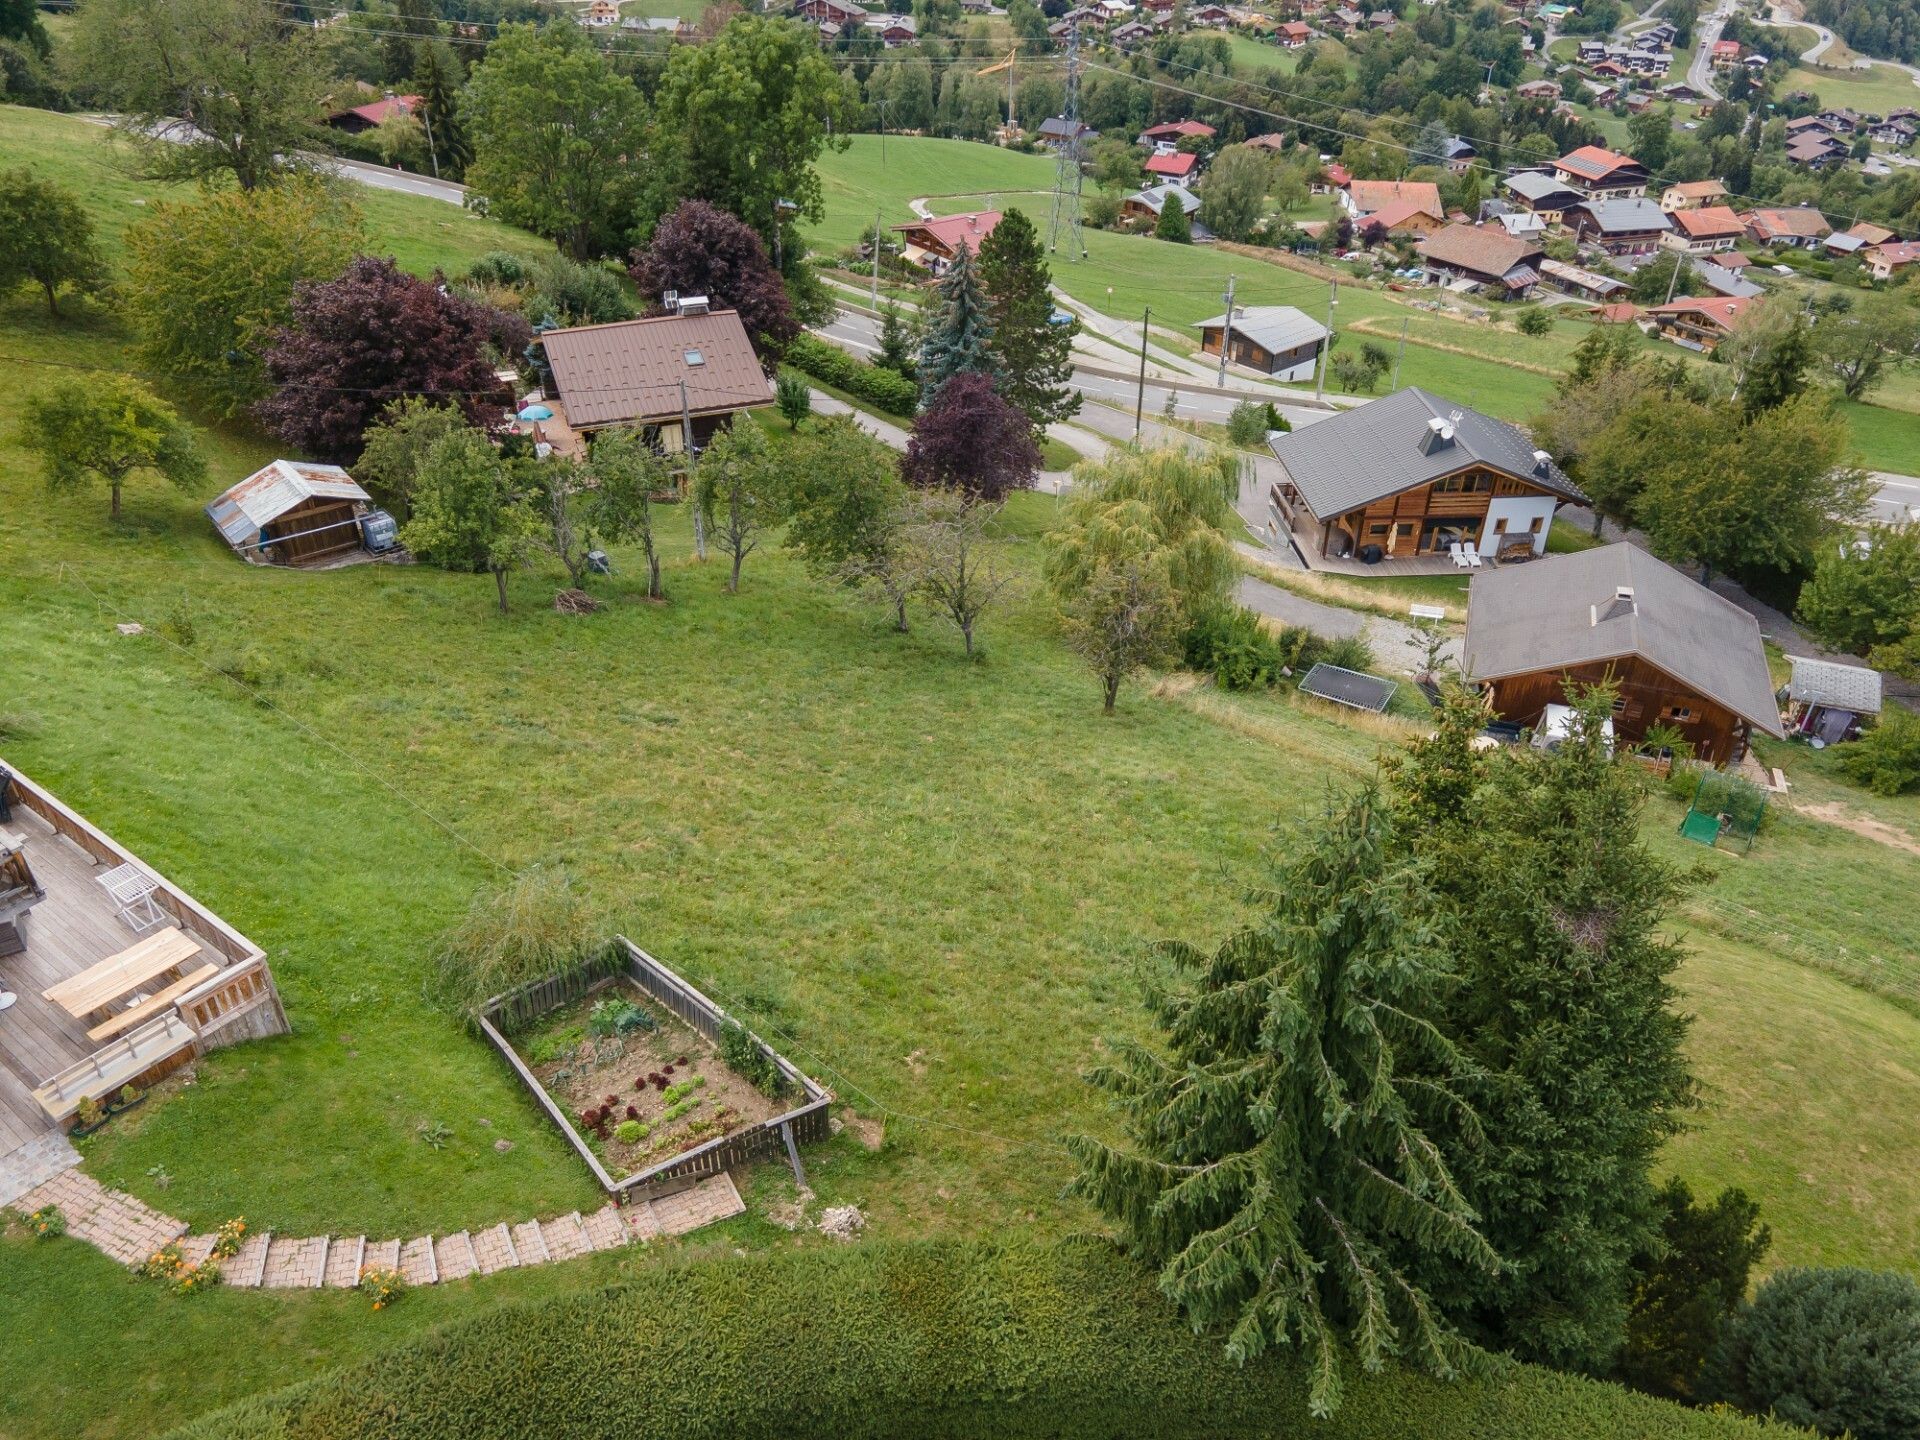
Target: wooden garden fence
775,1138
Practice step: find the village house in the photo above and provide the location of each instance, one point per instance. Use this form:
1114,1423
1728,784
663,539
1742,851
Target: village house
1132,33
1691,195
1889,258
1705,230
1458,255
1537,90
1164,139
1801,227
1294,34
1600,174
1724,55
1540,194
1896,132
1055,133
1827,701
1276,340
600,14
1699,322
1816,150
1145,206
1411,475
1679,654
1679,93
362,118
1176,166
893,31
1459,153
692,370
1209,17
1722,281
838,13
1619,228
1405,206
932,244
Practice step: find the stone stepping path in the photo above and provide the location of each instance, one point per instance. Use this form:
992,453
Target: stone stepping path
129,1231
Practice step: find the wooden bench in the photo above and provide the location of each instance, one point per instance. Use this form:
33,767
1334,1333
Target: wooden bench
152,1006
119,1063
1427,612
97,987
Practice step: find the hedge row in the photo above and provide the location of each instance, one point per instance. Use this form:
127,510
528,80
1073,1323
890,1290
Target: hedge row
902,1341
886,389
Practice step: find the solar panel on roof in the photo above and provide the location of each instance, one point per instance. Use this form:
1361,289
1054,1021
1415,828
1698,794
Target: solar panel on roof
1348,687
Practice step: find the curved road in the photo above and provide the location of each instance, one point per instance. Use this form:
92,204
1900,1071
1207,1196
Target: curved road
1705,32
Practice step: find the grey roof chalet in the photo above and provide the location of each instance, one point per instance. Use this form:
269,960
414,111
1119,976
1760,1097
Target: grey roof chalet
1534,186
1399,441
1611,603
1274,328
1836,686
1155,197
1723,281
1626,217
1058,127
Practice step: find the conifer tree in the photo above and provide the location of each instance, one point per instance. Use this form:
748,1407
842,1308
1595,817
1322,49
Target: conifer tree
1293,1148
1173,223
1034,355
960,335
436,74
1565,1001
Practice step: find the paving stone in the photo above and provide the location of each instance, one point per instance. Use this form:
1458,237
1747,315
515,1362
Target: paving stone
453,1256
344,1259
197,1249
246,1265
26,1168
381,1255
566,1237
493,1250
605,1230
418,1263
640,1221
712,1199
530,1244
295,1264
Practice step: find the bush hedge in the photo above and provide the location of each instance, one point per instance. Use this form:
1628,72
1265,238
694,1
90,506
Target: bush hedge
885,389
895,1340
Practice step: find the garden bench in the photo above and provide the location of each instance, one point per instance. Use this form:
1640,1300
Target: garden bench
150,1007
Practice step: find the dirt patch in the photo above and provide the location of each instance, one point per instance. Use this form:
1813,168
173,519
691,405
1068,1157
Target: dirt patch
657,1077
1832,812
871,1134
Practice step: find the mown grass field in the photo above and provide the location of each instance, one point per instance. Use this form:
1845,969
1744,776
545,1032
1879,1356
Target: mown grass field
1490,367
932,881
1875,90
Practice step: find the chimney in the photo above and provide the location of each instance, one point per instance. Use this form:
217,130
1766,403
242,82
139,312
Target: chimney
1438,437
690,305
1541,462
1623,595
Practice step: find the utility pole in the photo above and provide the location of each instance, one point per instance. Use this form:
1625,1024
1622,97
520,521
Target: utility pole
1673,280
1226,335
1326,349
876,260
1140,395
433,151
686,441
1401,353
1068,173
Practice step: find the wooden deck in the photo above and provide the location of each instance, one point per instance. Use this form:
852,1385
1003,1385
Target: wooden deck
74,927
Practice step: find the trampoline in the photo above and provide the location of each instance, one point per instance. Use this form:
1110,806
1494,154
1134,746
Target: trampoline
1349,688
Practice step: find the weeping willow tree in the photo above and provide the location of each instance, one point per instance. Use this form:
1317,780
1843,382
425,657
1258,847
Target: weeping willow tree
1172,500
1289,1164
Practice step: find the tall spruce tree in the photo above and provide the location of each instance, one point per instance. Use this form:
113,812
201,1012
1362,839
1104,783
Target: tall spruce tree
1034,355
1552,908
1293,1148
960,335
436,74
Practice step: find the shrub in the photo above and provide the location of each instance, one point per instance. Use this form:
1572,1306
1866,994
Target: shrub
538,924
1535,320
1887,758
1236,648
1250,421
1837,1350
880,387
748,1059
382,1284
1349,652
497,267
227,1239
1015,1340
1684,1295
47,1223
571,293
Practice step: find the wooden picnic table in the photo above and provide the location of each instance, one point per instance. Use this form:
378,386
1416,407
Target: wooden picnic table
99,986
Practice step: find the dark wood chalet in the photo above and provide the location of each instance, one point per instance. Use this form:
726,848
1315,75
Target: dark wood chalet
1679,654
1412,474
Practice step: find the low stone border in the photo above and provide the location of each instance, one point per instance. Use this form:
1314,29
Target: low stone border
129,1231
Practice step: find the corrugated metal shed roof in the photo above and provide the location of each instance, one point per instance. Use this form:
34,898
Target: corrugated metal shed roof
1842,687
1564,612
243,511
630,372
1276,328
1381,448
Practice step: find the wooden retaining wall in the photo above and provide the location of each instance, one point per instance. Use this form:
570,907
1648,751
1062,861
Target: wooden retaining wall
508,1014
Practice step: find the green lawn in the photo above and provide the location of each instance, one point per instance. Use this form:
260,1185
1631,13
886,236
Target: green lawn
419,233
931,881
1875,90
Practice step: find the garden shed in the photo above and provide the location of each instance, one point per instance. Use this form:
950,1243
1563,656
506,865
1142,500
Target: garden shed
292,512
1826,701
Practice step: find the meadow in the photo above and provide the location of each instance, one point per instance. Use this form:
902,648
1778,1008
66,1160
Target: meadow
1478,363
1874,90
935,883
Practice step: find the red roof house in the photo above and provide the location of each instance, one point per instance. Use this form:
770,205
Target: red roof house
1172,167
1174,131
365,117
933,244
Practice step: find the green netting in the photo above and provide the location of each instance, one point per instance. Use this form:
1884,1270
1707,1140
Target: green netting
1725,809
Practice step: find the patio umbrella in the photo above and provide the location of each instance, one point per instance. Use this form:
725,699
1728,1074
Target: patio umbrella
536,412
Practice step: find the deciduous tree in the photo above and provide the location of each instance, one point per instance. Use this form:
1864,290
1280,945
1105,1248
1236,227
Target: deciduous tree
211,280
249,86
1168,500
1033,360
1861,345
699,249
49,239
469,514
843,489
740,487
972,441
1126,618
398,444
1866,595
356,344
108,428
952,559
620,507
1293,1138
559,138
1233,197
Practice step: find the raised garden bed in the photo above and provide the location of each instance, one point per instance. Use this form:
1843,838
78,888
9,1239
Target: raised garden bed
651,1082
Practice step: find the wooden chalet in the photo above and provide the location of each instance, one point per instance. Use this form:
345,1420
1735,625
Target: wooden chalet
932,244
1703,230
1411,475
293,512
1680,654
1601,174
1276,340
1699,322
1468,255
666,376
1631,226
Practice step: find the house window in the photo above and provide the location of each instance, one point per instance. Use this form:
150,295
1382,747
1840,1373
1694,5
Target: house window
1619,704
1377,529
1679,712
694,357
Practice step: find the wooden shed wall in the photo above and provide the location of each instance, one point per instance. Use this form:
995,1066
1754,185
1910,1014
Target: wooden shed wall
1647,698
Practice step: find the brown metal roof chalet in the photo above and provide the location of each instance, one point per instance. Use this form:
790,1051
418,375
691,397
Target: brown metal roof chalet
630,372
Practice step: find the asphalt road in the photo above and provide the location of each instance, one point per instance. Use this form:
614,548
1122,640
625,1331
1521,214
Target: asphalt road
1700,72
